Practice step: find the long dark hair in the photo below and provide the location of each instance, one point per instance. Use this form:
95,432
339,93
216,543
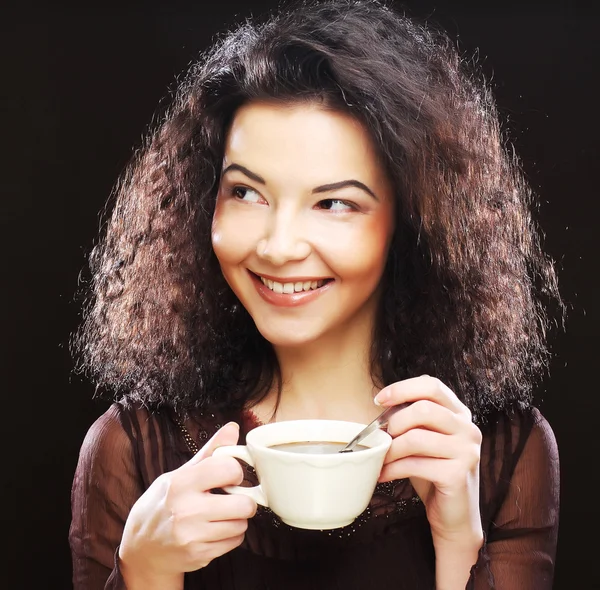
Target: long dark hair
466,277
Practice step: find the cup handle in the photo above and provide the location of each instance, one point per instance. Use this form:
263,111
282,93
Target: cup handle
241,452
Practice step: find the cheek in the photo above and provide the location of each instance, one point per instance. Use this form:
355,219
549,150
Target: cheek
233,236
360,254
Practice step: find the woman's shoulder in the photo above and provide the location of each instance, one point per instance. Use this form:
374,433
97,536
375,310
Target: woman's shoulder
134,422
541,427
114,423
105,431
129,437
519,454
540,444
106,448
513,439
517,424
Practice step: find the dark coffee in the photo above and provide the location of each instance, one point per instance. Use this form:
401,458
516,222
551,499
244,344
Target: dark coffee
315,447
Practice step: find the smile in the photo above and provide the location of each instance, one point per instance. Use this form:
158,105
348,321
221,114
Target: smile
290,293
288,288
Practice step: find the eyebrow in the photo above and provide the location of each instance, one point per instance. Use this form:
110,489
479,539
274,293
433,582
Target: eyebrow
325,188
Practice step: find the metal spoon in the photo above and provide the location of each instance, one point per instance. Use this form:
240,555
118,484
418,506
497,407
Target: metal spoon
380,421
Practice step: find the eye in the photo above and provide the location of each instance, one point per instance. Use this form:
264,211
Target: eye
244,193
336,205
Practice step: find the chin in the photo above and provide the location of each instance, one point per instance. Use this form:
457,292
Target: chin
288,337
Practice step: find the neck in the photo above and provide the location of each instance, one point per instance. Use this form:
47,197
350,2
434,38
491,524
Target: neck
329,378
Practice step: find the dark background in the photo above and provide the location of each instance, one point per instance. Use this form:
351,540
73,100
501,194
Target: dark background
79,88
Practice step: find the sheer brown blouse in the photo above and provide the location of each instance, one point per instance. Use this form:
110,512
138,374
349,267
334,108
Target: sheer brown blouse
388,546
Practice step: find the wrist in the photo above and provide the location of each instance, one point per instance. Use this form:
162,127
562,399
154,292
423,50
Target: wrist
454,559
141,578
459,543
463,539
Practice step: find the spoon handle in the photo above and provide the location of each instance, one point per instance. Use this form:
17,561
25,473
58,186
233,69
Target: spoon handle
385,416
380,421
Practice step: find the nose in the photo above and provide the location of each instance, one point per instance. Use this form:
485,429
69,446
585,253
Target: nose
284,240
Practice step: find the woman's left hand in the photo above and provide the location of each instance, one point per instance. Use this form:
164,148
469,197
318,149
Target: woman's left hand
437,446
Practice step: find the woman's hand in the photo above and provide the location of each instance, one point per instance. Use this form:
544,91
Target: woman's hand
437,446
178,525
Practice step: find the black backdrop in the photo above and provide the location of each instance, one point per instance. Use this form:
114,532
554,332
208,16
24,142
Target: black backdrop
81,86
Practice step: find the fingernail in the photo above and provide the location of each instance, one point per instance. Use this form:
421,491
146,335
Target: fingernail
234,423
382,397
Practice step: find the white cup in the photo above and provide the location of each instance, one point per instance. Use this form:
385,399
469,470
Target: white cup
306,490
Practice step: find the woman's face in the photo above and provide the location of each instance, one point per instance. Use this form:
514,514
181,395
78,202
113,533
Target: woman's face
303,221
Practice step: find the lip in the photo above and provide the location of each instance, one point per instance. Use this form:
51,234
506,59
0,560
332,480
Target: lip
283,280
288,299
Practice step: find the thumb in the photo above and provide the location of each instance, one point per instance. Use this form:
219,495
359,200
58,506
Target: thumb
226,435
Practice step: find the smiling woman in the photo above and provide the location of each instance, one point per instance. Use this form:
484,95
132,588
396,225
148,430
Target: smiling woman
325,222
293,216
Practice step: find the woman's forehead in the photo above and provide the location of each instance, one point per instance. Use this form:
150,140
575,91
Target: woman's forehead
301,141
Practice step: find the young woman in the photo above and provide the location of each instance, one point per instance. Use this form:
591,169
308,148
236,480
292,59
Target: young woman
327,217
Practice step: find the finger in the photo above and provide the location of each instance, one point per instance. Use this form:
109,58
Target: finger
444,474
213,532
218,548
423,443
217,507
224,530
226,435
418,388
425,414
426,468
216,472
200,553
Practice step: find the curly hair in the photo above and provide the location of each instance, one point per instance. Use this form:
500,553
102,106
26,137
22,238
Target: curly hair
466,286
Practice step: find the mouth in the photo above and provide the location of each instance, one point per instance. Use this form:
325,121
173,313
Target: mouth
292,285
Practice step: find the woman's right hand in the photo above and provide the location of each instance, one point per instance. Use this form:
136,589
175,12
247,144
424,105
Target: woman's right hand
178,525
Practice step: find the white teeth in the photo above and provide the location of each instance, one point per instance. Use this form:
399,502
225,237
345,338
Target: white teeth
289,288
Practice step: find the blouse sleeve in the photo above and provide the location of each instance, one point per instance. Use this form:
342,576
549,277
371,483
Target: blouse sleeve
105,487
521,535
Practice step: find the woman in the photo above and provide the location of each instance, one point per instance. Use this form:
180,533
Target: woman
326,218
